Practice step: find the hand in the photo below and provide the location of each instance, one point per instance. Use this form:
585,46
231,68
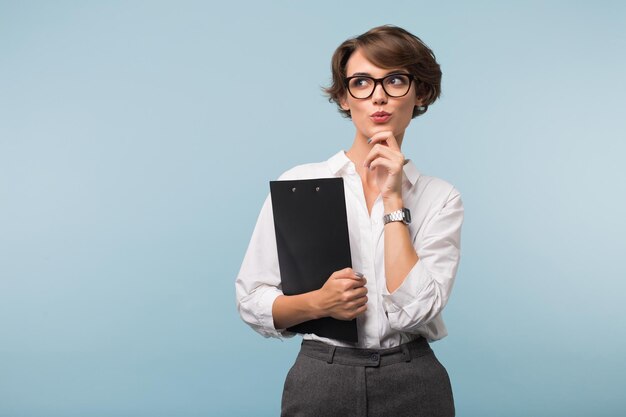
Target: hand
386,157
343,296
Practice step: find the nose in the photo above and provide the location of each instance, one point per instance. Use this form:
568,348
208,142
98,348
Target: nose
379,96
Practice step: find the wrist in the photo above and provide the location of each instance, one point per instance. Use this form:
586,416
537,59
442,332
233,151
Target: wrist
392,203
316,305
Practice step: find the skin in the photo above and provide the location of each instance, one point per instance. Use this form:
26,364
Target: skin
378,159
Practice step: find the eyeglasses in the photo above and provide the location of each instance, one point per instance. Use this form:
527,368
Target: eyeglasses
394,85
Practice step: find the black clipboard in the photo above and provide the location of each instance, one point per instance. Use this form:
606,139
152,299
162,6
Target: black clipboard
311,226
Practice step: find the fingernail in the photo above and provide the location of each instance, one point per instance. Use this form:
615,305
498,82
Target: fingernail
369,140
358,274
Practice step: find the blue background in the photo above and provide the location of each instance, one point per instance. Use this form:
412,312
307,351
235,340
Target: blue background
137,140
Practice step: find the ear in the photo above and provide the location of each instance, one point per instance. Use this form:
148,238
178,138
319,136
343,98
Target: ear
418,101
343,103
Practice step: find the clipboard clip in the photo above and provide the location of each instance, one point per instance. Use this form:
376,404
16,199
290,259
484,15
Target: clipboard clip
293,190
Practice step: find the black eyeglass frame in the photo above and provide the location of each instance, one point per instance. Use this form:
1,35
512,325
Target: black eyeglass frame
379,81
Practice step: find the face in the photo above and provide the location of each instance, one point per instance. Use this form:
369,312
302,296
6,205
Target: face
399,110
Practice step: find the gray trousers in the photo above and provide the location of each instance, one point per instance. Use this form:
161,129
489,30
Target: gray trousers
407,380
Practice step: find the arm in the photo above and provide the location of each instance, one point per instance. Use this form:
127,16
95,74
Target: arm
400,255
386,157
258,282
343,297
260,300
425,289
419,275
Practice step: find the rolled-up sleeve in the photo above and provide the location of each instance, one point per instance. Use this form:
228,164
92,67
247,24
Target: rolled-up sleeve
258,282
426,289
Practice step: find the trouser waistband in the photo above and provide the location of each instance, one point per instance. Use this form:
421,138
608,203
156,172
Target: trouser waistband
365,357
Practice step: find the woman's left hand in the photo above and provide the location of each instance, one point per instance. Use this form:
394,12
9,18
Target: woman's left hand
388,160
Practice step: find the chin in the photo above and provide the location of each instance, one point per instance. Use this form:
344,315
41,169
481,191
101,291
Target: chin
386,128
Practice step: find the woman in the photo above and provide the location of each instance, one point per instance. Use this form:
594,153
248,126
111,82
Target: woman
381,80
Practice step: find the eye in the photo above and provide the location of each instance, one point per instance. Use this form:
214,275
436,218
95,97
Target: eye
360,82
397,80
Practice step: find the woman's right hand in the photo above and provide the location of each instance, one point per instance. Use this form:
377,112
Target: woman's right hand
344,295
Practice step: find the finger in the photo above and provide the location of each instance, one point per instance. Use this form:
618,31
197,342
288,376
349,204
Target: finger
355,294
348,273
360,283
350,285
343,273
383,151
385,138
360,310
380,151
381,137
352,281
353,310
360,292
359,302
392,167
353,307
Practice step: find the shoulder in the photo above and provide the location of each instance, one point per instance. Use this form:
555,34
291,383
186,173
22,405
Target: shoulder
436,190
433,198
435,185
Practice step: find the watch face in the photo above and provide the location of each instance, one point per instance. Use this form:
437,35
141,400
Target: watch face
407,215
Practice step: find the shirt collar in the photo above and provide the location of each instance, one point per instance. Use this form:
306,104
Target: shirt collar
410,172
340,162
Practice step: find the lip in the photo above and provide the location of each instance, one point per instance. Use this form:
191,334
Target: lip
380,116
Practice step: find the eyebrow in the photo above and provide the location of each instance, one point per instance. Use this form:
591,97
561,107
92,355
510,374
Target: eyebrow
367,74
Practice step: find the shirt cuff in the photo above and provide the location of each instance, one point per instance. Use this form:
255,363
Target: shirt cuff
411,286
264,315
415,302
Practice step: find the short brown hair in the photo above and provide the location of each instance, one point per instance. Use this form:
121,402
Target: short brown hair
389,47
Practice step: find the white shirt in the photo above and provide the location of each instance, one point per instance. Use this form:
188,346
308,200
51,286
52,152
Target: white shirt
414,308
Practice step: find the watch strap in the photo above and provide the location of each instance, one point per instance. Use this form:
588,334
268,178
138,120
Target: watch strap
403,215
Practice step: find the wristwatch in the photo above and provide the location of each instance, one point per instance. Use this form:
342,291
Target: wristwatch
403,216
